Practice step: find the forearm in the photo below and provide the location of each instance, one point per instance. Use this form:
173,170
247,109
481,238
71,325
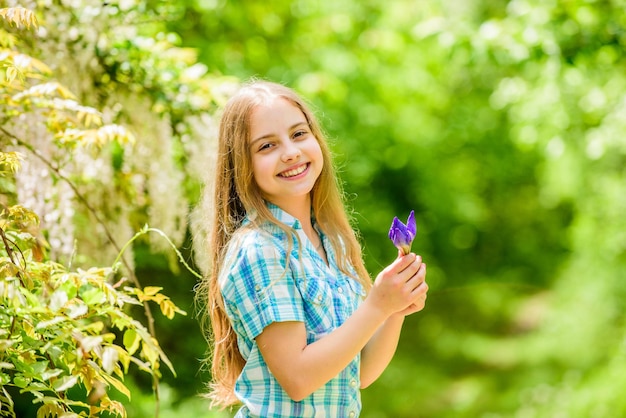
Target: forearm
300,372
379,351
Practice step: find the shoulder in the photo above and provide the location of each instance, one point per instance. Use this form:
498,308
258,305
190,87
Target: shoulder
253,242
252,257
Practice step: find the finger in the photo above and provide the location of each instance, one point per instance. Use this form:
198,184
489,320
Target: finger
414,307
418,276
420,291
418,279
402,263
417,305
417,273
413,266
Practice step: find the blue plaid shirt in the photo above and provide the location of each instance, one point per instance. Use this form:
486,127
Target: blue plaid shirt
259,288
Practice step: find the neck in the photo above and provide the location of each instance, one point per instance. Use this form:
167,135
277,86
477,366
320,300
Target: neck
301,210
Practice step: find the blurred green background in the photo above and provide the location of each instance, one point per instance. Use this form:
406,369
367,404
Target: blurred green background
503,125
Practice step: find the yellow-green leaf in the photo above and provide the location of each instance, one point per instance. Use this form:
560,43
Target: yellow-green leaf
49,410
151,290
109,359
131,341
65,383
19,16
116,384
114,407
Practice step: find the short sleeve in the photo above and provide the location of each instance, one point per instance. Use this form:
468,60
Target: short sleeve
257,287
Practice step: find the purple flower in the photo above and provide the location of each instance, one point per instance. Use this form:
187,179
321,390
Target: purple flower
402,235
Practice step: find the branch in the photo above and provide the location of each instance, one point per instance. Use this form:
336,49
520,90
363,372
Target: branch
7,247
109,235
95,214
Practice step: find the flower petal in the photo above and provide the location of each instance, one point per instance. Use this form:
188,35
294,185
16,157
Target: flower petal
395,225
411,225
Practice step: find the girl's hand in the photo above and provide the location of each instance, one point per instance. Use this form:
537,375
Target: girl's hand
400,287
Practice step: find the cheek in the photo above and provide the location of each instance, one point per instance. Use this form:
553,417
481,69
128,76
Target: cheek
260,169
256,168
316,152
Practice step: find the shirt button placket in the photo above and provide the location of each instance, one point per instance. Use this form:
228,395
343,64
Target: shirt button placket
352,413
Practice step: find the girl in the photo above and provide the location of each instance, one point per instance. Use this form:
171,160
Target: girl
298,326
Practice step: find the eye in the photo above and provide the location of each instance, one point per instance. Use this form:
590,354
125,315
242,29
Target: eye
300,133
264,146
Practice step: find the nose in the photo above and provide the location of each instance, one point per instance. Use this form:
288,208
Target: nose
291,152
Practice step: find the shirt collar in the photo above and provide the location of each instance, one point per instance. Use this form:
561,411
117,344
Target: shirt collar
280,215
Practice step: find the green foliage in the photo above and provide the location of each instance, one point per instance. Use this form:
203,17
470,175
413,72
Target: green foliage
84,142
108,103
58,327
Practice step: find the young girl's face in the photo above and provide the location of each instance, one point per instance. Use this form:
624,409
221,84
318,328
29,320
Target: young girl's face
286,157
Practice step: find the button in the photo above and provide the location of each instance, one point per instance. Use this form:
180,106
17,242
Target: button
340,290
257,288
352,414
353,383
319,298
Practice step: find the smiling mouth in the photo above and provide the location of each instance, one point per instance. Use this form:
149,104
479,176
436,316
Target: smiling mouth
294,172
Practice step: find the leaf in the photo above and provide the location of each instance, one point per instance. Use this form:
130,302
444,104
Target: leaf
114,407
65,383
49,410
12,73
57,300
19,16
10,161
117,384
153,345
45,324
150,353
124,359
35,387
6,365
131,341
151,290
48,374
109,359
169,309
21,381
70,415
8,269
5,379
7,402
90,343
77,308
38,368
93,296
54,89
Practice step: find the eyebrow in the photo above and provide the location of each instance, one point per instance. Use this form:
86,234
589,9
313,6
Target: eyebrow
292,127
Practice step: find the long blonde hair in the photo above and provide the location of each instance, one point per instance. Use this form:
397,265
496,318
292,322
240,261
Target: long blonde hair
235,193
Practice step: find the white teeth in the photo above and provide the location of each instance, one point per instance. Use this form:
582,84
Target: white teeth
294,172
